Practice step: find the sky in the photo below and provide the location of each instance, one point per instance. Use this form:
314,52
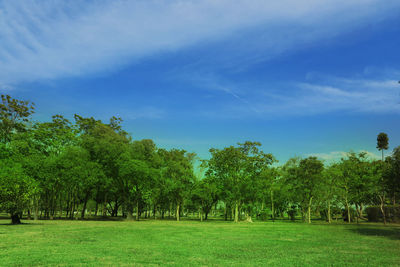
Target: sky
303,77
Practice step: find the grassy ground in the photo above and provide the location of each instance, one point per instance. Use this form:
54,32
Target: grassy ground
194,243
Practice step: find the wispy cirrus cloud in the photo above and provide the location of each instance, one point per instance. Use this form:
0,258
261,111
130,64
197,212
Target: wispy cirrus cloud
354,95
319,94
53,39
149,112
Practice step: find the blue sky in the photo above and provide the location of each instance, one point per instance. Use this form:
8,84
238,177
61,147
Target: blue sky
302,77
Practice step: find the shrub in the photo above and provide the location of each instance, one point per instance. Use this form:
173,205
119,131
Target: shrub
292,213
374,213
265,215
353,214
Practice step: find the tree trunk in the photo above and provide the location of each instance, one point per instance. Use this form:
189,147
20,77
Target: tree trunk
137,210
97,207
15,219
177,211
348,211
236,212
272,206
248,218
61,208
382,206
329,211
309,210
226,213
303,214
36,208
72,209
84,206
53,207
359,212
105,206
129,215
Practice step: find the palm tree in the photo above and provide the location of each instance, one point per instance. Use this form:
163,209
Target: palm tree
382,142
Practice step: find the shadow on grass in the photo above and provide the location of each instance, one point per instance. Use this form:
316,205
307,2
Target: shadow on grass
21,224
388,232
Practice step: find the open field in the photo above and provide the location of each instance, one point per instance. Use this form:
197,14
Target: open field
96,243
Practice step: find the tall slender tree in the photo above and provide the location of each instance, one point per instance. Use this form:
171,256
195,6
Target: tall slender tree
382,142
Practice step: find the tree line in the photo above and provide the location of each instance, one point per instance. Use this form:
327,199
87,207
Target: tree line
64,169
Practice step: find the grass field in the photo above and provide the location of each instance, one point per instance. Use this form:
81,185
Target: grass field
97,243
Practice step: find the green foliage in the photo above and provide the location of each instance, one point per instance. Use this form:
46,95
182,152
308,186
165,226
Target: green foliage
265,214
56,168
14,114
177,170
205,194
16,188
382,141
238,169
392,174
306,178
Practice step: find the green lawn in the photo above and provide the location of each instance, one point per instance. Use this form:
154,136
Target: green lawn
194,243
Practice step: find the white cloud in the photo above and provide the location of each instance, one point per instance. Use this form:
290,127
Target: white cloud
337,155
331,156
55,39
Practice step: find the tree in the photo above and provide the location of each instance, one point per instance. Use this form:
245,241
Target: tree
309,180
52,137
133,180
177,169
237,169
39,148
380,171
330,187
355,181
266,189
105,146
382,142
79,174
205,194
393,174
16,189
15,185
14,114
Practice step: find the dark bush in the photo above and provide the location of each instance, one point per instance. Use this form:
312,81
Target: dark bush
374,213
292,213
353,214
336,212
265,215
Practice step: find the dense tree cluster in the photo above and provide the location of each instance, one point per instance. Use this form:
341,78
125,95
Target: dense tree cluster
64,169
